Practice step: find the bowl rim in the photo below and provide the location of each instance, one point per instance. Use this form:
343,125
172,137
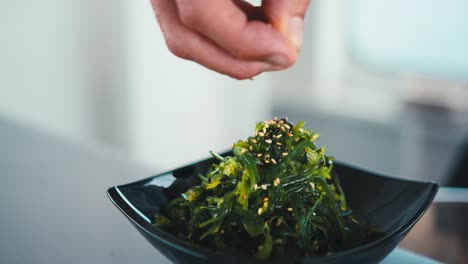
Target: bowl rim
138,219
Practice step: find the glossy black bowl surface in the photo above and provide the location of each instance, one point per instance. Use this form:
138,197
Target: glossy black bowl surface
390,204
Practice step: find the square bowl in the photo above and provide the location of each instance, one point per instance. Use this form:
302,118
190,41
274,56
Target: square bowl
390,204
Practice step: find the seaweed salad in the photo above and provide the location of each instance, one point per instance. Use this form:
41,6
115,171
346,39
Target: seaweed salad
276,195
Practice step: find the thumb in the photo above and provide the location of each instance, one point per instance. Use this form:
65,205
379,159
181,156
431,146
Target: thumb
287,16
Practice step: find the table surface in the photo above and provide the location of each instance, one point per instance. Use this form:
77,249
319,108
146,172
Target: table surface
54,207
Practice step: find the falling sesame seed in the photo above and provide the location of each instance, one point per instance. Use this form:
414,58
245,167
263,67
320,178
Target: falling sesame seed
285,153
260,211
259,155
278,136
269,141
261,134
290,209
264,187
255,187
276,182
273,161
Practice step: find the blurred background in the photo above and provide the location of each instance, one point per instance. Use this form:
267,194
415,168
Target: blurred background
384,82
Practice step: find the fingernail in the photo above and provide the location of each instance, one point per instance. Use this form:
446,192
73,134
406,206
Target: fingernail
295,31
278,60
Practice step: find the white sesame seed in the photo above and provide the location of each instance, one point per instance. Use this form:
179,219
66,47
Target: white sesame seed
278,136
273,161
269,141
251,148
276,182
243,150
287,126
264,187
259,155
261,134
285,153
260,211
267,161
290,209
253,140
265,199
312,185
255,187
290,134
278,143
276,118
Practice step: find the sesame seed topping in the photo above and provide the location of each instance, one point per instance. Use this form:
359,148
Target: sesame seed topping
222,231
278,223
253,140
261,134
260,211
264,187
255,187
287,126
278,136
312,185
285,153
276,118
269,141
281,122
290,209
273,161
297,139
251,148
282,128
276,182
267,161
265,199
259,155
243,150
290,134
264,130
278,143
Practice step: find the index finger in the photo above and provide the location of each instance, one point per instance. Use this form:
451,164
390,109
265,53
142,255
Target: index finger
225,24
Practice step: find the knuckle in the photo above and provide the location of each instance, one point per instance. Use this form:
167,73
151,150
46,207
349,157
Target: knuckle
176,47
243,73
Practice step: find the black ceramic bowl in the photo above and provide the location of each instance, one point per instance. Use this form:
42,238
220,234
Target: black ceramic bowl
390,204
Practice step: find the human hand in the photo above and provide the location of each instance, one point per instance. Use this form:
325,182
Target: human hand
233,37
